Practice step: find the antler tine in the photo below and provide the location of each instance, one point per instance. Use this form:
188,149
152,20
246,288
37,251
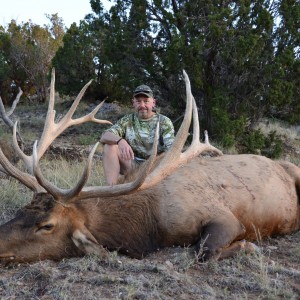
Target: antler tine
171,159
183,131
206,139
62,194
52,129
26,159
84,178
91,117
24,178
78,192
196,146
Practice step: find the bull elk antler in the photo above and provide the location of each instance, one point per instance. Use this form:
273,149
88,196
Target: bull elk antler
145,179
50,132
173,158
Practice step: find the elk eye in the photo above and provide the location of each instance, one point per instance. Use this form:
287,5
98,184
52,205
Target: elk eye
46,227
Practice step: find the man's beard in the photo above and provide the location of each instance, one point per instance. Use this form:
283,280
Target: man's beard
144,113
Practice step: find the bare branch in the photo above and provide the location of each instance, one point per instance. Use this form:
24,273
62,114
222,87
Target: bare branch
5,115
15,102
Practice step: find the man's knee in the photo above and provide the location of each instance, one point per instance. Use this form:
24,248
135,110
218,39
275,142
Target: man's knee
110,150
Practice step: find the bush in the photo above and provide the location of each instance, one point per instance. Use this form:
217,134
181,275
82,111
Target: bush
257,143
273,146
253,142
227,129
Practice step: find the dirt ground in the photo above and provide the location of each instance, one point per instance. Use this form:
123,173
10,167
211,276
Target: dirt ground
173,273
273,272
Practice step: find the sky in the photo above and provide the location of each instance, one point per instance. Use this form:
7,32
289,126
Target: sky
23,10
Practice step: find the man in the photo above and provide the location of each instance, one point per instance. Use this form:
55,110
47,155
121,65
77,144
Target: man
129,142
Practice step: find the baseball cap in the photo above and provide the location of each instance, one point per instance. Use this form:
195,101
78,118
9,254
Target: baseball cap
144,90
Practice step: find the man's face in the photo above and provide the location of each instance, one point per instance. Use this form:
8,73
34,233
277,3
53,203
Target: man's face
144,106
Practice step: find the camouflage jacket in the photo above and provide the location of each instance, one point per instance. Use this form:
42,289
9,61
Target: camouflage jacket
140,133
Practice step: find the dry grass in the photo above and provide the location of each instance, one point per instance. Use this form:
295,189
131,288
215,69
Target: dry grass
288,132
162,275
173,273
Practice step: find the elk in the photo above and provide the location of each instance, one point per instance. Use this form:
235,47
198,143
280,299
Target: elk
217,204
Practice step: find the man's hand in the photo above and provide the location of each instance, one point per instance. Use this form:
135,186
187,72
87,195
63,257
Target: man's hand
126,152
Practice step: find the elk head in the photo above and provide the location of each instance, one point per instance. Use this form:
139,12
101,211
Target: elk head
57,223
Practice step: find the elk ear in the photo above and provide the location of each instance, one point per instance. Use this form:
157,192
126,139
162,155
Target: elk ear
86,242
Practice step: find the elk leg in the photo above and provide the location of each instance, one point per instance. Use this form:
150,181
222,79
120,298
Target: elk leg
237,246
87,243
218,234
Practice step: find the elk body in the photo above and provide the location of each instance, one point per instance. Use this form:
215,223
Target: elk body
182,199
